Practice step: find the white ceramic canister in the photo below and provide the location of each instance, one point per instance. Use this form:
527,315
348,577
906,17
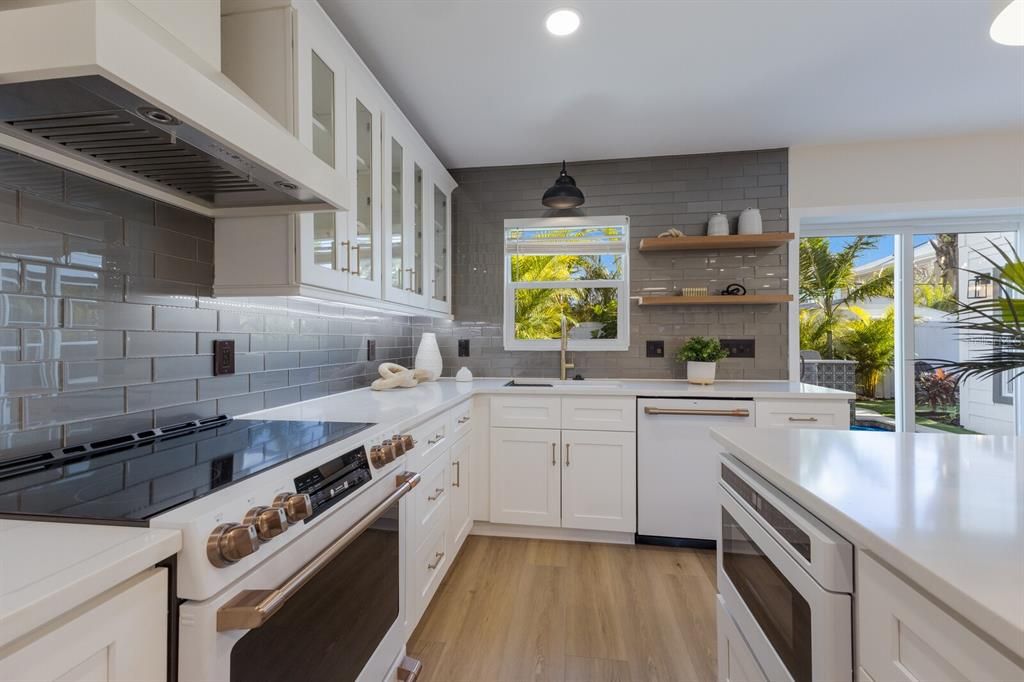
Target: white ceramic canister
718,225
750,221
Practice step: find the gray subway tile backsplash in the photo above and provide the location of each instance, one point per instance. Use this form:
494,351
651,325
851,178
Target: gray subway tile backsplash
154,344
107,315
79,376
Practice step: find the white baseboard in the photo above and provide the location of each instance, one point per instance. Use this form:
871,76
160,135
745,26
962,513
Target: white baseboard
507,530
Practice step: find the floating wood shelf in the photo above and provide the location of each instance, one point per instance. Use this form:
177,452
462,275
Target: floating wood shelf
732,241
749,299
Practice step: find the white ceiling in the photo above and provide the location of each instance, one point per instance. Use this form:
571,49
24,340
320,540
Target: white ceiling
486,85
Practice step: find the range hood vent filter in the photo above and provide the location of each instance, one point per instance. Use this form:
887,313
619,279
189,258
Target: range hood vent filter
94,118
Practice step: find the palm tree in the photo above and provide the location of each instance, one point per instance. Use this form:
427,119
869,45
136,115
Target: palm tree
994,324
827,279
871,341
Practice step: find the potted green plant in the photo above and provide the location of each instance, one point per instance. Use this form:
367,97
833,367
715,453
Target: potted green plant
701,353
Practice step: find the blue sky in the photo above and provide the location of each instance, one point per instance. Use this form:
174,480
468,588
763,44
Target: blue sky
883,247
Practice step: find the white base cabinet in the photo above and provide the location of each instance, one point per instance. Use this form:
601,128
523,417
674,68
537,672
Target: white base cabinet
544,474
460,516
902,635
439,517
121,636
599,480
526,483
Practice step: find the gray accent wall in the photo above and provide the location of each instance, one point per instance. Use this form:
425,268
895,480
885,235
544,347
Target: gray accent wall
658,194
107,324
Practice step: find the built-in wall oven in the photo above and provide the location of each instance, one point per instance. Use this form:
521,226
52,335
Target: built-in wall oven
328,608
785,583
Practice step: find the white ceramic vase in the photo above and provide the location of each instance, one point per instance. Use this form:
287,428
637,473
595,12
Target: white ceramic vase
428,355
700,372
750,222
718,225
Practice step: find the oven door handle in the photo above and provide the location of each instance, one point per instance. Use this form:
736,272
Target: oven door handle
250,609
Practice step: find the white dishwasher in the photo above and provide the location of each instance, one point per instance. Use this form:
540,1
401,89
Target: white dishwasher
677,467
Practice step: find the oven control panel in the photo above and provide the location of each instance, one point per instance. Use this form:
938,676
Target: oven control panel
334,480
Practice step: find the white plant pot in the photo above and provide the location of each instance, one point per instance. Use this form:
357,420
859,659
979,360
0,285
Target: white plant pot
428,356
700,372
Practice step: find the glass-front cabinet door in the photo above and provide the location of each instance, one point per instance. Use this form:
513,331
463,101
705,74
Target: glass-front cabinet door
398,212
361,259
320,89
440,265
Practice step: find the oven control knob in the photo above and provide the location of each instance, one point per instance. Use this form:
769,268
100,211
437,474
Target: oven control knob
231,542
407,442
387,449
296,507
377,457
268,521
398,444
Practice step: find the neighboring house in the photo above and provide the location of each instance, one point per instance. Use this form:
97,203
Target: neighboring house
986,405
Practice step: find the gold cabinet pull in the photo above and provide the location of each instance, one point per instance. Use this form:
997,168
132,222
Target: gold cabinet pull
567,454
553,446
438,556
458,474
348,256
803,419
437,494
682,411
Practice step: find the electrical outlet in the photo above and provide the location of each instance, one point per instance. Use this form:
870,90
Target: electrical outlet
463,348
223,357
371,349
738,348
655,349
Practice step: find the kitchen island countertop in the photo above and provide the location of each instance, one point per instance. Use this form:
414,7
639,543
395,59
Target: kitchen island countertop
946,511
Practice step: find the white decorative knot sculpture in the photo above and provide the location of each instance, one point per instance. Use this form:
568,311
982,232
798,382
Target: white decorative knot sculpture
396,376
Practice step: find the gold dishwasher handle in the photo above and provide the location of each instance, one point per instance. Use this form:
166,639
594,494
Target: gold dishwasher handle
249,609
682,411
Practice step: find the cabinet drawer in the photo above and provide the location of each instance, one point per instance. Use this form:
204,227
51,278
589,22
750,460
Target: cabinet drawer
803,414
430,564
736,662
903,635
526,411
431,439
462,419
598,413
430,499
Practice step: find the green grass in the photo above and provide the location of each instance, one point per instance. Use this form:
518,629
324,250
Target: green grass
923,415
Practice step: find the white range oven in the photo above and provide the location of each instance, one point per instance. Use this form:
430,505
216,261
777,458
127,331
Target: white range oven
785,583
293,547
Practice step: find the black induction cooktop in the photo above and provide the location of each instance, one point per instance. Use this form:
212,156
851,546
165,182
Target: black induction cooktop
134,477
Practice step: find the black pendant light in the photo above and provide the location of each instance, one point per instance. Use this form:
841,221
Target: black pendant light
564,193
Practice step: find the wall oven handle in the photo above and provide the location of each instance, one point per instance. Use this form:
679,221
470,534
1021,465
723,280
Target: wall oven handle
682,411
250,609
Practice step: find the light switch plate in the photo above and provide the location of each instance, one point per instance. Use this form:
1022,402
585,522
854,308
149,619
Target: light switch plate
223,357
738,348
655,349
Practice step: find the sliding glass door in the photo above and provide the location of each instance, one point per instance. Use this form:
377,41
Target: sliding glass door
875,307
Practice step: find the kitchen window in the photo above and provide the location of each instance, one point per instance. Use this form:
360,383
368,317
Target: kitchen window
576,267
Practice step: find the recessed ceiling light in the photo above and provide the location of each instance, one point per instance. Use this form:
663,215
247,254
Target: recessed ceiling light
562,22
1008,28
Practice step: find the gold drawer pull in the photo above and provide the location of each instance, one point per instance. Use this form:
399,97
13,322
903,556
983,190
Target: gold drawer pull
463,420
437,494
438,437
438,556
803,419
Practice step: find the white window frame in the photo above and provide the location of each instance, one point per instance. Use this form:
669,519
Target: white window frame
621,342
902,230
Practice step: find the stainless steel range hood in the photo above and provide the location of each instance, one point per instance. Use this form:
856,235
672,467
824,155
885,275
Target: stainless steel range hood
107,89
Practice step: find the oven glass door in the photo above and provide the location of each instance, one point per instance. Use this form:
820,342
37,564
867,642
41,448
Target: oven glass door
331,627
781,611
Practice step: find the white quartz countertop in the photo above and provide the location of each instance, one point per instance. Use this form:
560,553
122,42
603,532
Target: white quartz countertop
947,511
403,404
48,569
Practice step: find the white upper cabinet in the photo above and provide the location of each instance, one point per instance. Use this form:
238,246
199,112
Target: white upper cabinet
392,248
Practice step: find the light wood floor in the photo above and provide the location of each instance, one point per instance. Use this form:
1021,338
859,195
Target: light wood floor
513,609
